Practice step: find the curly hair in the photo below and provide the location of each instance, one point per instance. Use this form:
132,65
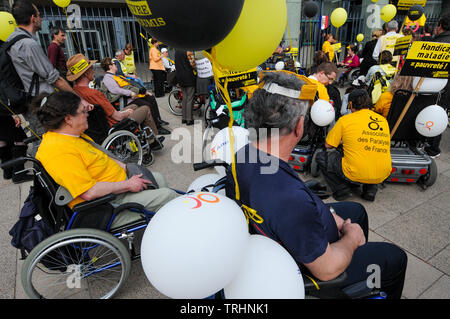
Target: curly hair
105,63
51,109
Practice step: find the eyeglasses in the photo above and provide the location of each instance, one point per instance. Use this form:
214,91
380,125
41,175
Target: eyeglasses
331,79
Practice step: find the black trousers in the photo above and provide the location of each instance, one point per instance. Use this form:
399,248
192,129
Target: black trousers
330,164
388,258
159,77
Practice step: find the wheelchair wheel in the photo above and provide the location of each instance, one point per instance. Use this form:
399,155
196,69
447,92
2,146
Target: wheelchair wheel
209,115
125,145
148,159
430,177
79,263
175,98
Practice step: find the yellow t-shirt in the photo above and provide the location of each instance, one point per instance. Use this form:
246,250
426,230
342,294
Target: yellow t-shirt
321,89
384,103
327,48
76,164
367,146
129,63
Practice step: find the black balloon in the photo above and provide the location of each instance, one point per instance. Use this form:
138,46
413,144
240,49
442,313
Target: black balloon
310,9
187,24
415,12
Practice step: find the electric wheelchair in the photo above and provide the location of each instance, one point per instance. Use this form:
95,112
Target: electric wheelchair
410,163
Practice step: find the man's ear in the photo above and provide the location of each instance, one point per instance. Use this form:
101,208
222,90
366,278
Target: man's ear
299,127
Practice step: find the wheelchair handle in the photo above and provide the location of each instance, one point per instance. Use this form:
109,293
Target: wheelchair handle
203,165
32,139
17,161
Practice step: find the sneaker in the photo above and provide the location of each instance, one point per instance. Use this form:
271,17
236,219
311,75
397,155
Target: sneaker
157,144
161,122
341,195
368,196
431,153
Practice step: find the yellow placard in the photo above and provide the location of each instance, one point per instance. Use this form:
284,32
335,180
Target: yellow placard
238,79
79,66
139,8
404,5
429,51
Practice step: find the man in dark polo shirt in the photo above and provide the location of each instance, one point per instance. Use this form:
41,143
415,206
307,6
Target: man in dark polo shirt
327,239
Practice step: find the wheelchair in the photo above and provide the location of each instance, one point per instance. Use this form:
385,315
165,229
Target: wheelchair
175,100
217,114
314,288
127,139
410,163
348,76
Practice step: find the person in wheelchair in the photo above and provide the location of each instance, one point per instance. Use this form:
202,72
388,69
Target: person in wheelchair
115,86
81,72
385,68
87,172
350,62
324,239
399,82
366,156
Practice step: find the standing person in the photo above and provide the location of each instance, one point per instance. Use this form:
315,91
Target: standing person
387,41
129,59
187,80
55,52
367,53
157,68
442,35
327,48
30,61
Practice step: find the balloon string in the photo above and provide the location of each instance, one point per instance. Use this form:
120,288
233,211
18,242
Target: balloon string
71,31
223,91
14,114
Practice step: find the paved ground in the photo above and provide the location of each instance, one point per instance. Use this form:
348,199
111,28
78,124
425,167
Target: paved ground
414,219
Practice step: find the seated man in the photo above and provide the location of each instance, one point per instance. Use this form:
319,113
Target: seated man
366,156
325,74
81,72
122,69
326,239
71,159
114,86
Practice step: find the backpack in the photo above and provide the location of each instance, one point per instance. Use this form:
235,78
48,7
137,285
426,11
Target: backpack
379,84
12,92
32,227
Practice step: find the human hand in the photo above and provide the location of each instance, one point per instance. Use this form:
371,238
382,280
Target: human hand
149,93
17,120
136,183
354,231
133,95
88,106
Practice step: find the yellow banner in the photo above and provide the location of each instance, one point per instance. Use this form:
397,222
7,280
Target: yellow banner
238,79
406,4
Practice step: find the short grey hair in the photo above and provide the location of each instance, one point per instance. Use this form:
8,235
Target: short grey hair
119,52
392,25
274,111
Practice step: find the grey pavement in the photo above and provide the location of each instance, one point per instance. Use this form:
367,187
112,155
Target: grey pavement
416,220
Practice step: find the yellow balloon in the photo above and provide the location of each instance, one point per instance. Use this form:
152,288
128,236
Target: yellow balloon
360,37
374,1
62,3
388,12
255,36
7,25
338,17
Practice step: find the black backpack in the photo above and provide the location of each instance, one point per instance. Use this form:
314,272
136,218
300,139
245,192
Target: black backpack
12,92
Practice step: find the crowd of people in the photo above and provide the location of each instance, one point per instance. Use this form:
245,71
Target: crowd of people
326,239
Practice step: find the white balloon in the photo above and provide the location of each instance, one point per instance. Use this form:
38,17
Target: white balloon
431,121
220,146
279,65
268,272
430,85
206,180
322,113
194,245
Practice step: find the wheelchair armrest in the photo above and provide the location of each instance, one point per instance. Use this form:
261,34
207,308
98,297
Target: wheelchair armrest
126,206
314,284
95,202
